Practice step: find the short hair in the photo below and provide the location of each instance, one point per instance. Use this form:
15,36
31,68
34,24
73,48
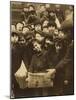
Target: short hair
26,27
14,34
52,23
31,6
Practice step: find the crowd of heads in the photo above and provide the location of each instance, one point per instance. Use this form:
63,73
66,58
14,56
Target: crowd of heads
42,24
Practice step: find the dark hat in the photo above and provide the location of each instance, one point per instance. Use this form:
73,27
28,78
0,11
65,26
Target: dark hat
32,19
31,10
52,23
37,21
29,35
51,10
14,34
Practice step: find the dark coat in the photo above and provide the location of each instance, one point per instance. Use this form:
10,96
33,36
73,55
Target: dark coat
39,62
65,70
42,61
67,62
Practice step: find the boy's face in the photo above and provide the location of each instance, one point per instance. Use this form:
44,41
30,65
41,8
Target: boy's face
45,30
31,8
47,6
37,46
52,14
48,43
42,8
39,37
38,27
25,9
51,29
61,34
57,7
19,27
25,30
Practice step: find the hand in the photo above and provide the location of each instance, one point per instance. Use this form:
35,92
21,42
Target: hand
51,72
66,82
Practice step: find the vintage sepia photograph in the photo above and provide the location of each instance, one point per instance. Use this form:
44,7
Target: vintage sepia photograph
41,49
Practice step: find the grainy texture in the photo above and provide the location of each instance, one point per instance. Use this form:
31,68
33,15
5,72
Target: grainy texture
42,49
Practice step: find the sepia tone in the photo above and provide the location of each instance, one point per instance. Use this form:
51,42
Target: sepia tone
42,49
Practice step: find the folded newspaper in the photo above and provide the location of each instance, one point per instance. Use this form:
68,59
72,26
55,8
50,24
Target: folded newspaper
33,80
